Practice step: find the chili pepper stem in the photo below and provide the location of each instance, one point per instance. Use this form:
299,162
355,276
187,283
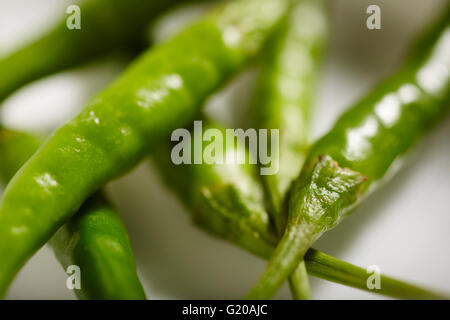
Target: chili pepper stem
299,283
284,257
332,269
314,207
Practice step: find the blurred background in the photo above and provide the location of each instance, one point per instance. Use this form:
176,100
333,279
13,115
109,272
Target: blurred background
402,228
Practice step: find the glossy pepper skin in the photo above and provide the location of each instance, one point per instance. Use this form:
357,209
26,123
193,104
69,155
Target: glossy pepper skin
94,239
106,25
226,201
363,148
284,99
159,92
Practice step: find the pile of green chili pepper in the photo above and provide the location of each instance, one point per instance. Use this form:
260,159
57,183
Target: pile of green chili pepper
53,191
357,153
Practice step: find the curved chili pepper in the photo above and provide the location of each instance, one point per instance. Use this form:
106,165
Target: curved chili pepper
226,201
292,62
160,92
105,25
95,239
283,101
362,148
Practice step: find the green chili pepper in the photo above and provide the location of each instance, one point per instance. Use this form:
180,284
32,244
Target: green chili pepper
160,92
285,94
363,147
283,102
226,201
15,149
105,25
94,239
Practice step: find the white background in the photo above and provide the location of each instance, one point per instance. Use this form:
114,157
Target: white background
402,228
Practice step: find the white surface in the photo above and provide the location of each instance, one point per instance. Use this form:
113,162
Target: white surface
402,228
